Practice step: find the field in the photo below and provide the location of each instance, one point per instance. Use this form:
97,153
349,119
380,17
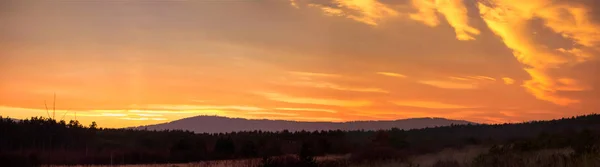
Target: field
255,162
470,156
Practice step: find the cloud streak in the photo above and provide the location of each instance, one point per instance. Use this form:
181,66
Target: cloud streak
449,84
307,109
391,74
309,100
430,104
328,85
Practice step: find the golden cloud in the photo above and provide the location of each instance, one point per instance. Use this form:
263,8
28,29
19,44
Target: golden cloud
307,100
333,86
508,81
143,119
312,74
509,20
449,84
307,109
203,107
391,74
454,11
294,4
429,104
365,11
272,113
479,77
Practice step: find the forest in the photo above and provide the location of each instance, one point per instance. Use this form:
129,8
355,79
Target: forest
41,141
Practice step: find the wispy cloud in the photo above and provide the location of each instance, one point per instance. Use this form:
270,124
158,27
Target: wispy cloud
149,115
313,74
272,113
391,74
135,119
294,4
308,100
307,109
459,78
449,84
476,78
328,85
508,81
479,77
203,107
161,111
189,112
429,104
143,119
460,82
369,12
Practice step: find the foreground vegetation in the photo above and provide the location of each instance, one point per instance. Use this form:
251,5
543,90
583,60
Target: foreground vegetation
566,142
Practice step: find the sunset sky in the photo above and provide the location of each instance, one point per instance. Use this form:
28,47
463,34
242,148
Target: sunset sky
135,62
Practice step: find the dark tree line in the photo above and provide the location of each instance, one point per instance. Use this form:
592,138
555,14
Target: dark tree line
37,141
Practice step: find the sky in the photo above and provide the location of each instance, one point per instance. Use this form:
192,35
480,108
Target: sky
136,62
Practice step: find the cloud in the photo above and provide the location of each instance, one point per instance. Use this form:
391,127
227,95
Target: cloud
312,74
479,77
272,113
107,115
307,100
511,19
294,4
459,78
163,111
449,84
473,78
328,119
143,119
365,11
329,11
372,12
309,79
391,74
454,11
307,109
327,85
508,81
203,107
429,104
190,112
149,115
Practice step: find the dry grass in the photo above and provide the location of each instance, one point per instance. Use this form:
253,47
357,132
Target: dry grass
222,163
466,157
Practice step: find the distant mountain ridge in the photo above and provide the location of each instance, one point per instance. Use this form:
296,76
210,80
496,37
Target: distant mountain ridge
218,124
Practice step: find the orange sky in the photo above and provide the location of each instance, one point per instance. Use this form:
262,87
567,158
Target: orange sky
126,63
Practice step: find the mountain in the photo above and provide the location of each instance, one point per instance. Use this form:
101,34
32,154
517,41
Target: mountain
216,124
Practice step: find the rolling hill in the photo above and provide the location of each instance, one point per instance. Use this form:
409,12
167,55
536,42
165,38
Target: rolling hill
216,124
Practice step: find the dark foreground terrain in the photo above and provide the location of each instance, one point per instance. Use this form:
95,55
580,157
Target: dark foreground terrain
566,142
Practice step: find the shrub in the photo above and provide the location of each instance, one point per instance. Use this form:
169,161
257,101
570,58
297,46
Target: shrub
446,163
